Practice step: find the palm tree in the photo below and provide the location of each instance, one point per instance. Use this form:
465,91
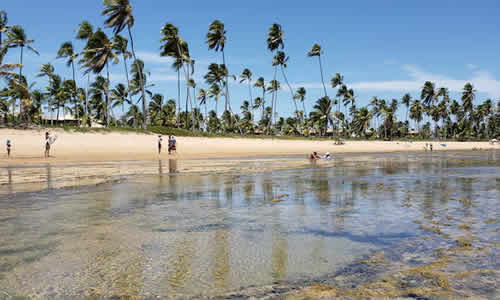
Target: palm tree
280,59
84,32
316,51
214,93
119,13
202,97
97,56
275,40
175,47
301,96
17,39
120,45
191,84
428,94
155,107
260,83
177,66
406,100
468,96
216,40
321,113
119,96
66,51
273,87
416,112
361,121
3,25
246,75
97,94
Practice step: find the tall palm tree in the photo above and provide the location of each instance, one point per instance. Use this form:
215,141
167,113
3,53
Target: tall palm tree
428,94
84,32
120,45
97,56
177,66
17,38
260,83
119,13
66,51
246,75
214,92
202,97
97,94
316,51
301,96
416,112
3,25
216,40
273,87
175,47
281,60
275,40
468,96
406,100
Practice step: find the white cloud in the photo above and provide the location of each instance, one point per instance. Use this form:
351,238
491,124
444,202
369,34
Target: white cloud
471,66
483,82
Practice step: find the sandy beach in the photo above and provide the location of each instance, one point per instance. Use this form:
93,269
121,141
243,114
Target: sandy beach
28,147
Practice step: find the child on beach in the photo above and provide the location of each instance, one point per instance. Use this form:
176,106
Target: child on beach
8,148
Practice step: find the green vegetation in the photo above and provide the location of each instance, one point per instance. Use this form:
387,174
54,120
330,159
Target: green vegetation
117,107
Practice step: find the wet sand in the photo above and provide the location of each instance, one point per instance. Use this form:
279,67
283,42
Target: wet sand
71,147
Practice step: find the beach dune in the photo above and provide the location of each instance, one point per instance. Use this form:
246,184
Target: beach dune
28,147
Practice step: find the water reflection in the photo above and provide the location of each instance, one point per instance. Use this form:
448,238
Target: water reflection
176,234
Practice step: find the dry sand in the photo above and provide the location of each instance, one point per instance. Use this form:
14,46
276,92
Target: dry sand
28,147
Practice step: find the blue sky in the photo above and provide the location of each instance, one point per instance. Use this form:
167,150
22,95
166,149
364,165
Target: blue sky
383,48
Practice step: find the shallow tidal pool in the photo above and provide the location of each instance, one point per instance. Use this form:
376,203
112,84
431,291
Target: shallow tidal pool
227,227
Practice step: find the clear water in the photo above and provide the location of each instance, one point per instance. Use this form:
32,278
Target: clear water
171,232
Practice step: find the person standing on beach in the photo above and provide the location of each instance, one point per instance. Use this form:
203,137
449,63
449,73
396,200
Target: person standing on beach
160,140
47,144
8,148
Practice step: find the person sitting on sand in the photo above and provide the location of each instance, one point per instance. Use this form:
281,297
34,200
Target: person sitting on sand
160,140
47,144
314,156
8,148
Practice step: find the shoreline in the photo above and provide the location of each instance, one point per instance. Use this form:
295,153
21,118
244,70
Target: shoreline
75,147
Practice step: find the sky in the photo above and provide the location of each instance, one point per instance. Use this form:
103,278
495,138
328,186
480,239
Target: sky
382,48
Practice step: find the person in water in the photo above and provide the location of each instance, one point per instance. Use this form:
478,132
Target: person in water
160,140
8,148
47,144
314,156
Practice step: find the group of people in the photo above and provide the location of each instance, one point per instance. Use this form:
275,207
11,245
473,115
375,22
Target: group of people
172,144
315,156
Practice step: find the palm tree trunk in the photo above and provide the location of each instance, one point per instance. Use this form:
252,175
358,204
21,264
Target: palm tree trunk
227,79
128,81
251,99
76,103
272,100
106,91
291,90
322,78
87,96
263,101
141,80
178,108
